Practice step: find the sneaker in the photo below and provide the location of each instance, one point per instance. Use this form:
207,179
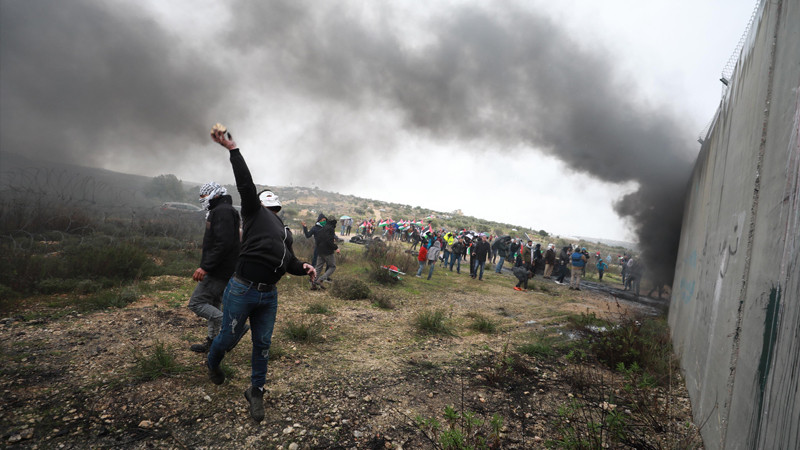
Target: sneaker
517,288
216,375
202,348
244,331
255,397
558,282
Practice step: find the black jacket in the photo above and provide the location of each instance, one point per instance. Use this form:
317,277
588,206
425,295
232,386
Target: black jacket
459,248
550,256
266,252
313,231
481,250
325,238
221,239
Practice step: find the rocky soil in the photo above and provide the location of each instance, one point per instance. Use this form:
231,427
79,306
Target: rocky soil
69,380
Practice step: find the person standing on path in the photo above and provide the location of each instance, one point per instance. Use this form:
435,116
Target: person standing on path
549,260
459,250
482,251
433,255
218,260
325,240
308,233
265,256
578,263
422,257
601,268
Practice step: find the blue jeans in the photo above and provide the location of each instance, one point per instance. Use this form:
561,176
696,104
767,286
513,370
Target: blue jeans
421,266
479,263
500,264
240,303
446,257
430,271
453,260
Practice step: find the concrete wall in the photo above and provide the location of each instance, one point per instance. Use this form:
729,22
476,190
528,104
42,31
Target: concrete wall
735,315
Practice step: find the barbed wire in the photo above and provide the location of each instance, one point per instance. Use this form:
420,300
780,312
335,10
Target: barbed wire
727,71
730,66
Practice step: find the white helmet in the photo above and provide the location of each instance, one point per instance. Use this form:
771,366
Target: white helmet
269,200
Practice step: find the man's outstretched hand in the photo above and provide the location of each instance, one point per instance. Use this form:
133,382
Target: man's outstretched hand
310,271
223,138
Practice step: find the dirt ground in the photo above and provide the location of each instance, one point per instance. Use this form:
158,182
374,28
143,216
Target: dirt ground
68,379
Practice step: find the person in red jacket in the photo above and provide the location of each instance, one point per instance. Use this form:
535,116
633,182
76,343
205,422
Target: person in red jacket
422,257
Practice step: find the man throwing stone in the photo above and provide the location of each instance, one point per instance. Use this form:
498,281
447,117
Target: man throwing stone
266,255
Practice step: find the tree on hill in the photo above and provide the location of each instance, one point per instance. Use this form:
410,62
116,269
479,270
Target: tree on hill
166,187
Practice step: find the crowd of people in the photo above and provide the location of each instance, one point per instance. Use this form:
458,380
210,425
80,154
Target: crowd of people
523,258
243,259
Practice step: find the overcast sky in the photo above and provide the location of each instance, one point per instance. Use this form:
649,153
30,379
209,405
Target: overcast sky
537,113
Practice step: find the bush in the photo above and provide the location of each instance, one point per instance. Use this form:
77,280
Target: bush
109,299
318,308
432,322
382,301
55,286
88,287
304,330
537,350
350,289
632,343
483,324
160,361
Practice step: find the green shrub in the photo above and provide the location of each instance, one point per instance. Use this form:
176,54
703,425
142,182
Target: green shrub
157,362
432,322
462,430
88,286
483,324
55,285
537,350
109,299
632,343
382,301
307,331
350,289
276,351
318,308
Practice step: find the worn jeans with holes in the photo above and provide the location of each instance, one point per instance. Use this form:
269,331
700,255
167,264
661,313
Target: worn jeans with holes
240,303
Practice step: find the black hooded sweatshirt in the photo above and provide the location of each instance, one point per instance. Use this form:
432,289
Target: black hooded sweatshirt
325,238
221,239
266,253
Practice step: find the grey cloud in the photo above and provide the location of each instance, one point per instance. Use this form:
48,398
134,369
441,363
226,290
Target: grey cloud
76,75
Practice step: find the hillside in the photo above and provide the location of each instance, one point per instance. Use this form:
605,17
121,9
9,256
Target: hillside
370,373
23,178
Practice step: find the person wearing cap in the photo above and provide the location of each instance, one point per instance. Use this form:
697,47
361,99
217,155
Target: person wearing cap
218,260
601,268
265,256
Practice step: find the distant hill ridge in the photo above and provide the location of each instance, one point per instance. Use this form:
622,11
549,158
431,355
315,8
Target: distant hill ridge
300,203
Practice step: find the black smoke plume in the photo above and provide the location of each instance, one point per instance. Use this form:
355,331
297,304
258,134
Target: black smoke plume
77,76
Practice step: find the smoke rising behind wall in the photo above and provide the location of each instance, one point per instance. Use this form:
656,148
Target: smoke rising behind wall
79,78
